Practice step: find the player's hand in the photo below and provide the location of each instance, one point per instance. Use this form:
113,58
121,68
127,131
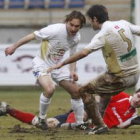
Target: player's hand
57,66
74,76
9,50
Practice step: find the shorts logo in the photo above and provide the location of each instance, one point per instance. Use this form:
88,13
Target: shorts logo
36,73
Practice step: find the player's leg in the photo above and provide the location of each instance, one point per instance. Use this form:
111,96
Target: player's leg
45,81
76,101
45,98
104,85
21,116
25,117
63,78
103,103
92,110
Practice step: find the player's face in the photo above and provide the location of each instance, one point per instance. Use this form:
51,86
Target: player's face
73,26
94,23
135,102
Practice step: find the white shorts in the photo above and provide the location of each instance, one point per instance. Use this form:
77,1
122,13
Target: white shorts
40,69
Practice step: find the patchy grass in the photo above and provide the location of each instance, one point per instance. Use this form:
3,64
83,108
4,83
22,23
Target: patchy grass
28,101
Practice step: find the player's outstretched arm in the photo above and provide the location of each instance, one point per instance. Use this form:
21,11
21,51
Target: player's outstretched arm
57,66
79,55
11,49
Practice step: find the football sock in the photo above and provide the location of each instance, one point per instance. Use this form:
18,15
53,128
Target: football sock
78,108
21,116
44,105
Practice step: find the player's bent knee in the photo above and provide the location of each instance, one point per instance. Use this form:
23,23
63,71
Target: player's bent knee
88,88
48,92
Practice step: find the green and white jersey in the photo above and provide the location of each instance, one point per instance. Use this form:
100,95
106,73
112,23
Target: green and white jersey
55,42
116,41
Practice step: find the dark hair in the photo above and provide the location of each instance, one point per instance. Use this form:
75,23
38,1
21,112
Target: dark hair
98,11
138,90
76,15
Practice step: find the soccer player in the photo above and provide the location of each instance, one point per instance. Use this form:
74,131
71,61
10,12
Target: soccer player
121,112
115,39
56,40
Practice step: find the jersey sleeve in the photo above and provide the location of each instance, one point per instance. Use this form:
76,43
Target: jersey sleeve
135,29
96,43
46,33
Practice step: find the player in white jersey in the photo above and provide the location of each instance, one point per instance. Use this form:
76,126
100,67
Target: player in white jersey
115,39
56,40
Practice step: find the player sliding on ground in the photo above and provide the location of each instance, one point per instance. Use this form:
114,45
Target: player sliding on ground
120,113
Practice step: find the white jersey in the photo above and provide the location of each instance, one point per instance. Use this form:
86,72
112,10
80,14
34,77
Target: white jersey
116,41
55,42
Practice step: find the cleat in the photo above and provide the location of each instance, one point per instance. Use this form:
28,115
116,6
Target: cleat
98,130
42,124
84,126
3,108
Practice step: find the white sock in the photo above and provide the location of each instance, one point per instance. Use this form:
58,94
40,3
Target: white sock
78,108
35,121
44,105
